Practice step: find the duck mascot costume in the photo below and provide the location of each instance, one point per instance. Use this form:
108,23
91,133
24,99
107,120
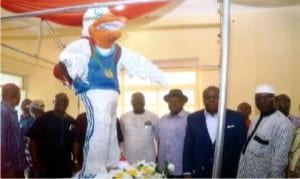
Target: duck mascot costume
90,66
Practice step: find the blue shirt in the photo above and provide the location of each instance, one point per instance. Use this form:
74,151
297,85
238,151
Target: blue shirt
97,78
170,132
12,148
25,125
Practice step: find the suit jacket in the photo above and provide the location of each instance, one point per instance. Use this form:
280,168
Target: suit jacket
198,153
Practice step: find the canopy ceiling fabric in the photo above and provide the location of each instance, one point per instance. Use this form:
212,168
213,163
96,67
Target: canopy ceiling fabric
75,18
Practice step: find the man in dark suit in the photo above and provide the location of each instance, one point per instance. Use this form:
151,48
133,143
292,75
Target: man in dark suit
199,144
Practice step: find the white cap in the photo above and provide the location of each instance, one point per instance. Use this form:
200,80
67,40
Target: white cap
265,88
37,104
90,16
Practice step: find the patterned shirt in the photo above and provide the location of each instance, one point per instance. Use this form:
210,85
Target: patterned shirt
170,132
25,125
13,156
266,155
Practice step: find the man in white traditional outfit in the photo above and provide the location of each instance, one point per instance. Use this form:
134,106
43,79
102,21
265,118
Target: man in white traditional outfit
138,131
91,65
265,153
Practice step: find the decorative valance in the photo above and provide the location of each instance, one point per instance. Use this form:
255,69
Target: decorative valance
74,18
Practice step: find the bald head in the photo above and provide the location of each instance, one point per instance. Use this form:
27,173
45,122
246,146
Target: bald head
138,102
11,94
211,99
245,109
61,103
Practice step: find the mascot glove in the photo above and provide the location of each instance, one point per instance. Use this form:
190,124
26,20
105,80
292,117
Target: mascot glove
80,86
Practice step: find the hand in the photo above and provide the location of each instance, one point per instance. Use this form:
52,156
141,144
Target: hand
77,166
80,85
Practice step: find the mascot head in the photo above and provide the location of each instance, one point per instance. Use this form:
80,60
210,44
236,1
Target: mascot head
102,26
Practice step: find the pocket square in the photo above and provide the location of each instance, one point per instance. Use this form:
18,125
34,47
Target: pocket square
230,126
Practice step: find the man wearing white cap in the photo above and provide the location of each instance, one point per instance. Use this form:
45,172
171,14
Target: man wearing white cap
265,153
36,108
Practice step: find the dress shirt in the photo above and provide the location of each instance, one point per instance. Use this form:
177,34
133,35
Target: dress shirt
211,124
13,159
170,133
25,124
138,131
295,120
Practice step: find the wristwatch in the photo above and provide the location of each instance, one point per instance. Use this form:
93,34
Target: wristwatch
75,161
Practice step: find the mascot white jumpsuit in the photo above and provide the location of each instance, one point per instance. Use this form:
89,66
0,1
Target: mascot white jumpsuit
91,66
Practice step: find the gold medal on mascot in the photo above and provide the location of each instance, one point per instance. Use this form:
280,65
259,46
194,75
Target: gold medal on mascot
108,73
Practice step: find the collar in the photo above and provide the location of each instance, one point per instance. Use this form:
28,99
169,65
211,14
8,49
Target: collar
9,107
105,52
208,114
268,113
181,114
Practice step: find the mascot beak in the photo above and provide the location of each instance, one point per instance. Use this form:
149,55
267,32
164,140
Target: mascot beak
106,30
110,22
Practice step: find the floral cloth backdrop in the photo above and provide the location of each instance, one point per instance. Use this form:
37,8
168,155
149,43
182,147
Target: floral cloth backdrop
74,18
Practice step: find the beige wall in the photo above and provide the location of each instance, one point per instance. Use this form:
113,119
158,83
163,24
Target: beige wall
264,48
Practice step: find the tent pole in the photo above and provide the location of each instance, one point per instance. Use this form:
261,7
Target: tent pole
28,54
78,8
55,36
38,42
225,14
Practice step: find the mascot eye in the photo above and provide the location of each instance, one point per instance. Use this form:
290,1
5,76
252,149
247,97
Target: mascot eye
113,26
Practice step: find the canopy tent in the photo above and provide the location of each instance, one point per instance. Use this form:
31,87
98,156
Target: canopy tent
74,18
69,13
